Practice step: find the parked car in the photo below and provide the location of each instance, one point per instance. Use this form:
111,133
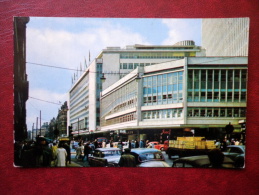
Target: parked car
105,157
201,161
157,145
149,157
237,154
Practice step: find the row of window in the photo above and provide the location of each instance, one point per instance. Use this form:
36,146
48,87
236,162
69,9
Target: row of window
163,99
134,65
79,87
217,79
156,55
122,119
162,114
195,112
216,112
121,99
212,96
217,85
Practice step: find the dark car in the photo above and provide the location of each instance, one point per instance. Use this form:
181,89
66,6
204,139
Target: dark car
201,161
237,154
149,157
105,157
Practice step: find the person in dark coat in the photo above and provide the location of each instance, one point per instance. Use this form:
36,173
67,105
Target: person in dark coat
216,158
127,159
67,148
87,151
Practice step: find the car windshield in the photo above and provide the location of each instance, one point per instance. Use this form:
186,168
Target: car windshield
151,156
234,150
111,153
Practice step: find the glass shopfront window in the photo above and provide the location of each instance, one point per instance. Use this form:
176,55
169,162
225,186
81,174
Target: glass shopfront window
225,85
166,88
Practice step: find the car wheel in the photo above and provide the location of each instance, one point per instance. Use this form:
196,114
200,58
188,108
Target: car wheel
162,149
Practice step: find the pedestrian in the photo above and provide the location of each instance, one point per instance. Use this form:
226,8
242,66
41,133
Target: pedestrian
147,143
54,154
95,143
136,144
120,144
68,158
103,144
129,144
223,145
43,154
217,144
87,151
127,159
111,143
142,144
79,151
229,130
133,144
216,158
61,156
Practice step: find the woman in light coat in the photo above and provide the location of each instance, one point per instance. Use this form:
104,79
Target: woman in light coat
61,156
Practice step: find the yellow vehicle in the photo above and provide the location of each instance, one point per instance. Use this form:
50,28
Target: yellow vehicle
64,140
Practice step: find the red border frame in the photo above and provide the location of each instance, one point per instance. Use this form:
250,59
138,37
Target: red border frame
126,180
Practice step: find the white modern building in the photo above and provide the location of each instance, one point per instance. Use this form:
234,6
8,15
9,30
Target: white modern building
114,63
225,36
202,94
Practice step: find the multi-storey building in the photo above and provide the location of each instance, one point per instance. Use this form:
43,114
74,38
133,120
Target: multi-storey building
114,63
61,120
21,84
199,93
225,36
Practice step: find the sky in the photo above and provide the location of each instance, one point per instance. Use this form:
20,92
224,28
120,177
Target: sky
70,43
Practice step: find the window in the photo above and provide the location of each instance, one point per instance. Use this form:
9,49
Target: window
130,65
125,65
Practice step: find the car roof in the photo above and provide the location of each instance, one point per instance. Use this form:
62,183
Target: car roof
236,146
242,147
107,149
144,150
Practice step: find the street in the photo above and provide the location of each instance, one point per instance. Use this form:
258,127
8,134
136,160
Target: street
80,163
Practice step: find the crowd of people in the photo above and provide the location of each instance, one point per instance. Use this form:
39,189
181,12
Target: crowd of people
222,145
41,153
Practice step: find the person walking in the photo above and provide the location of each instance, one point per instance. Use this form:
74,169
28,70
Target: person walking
67,148
54,154
61,156
79,151
141,144
87,151
127,159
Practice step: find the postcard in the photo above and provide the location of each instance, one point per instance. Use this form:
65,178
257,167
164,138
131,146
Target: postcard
130,92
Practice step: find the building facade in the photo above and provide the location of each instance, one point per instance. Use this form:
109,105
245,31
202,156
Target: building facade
202,94
225,36
61,120
114,63
21,84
